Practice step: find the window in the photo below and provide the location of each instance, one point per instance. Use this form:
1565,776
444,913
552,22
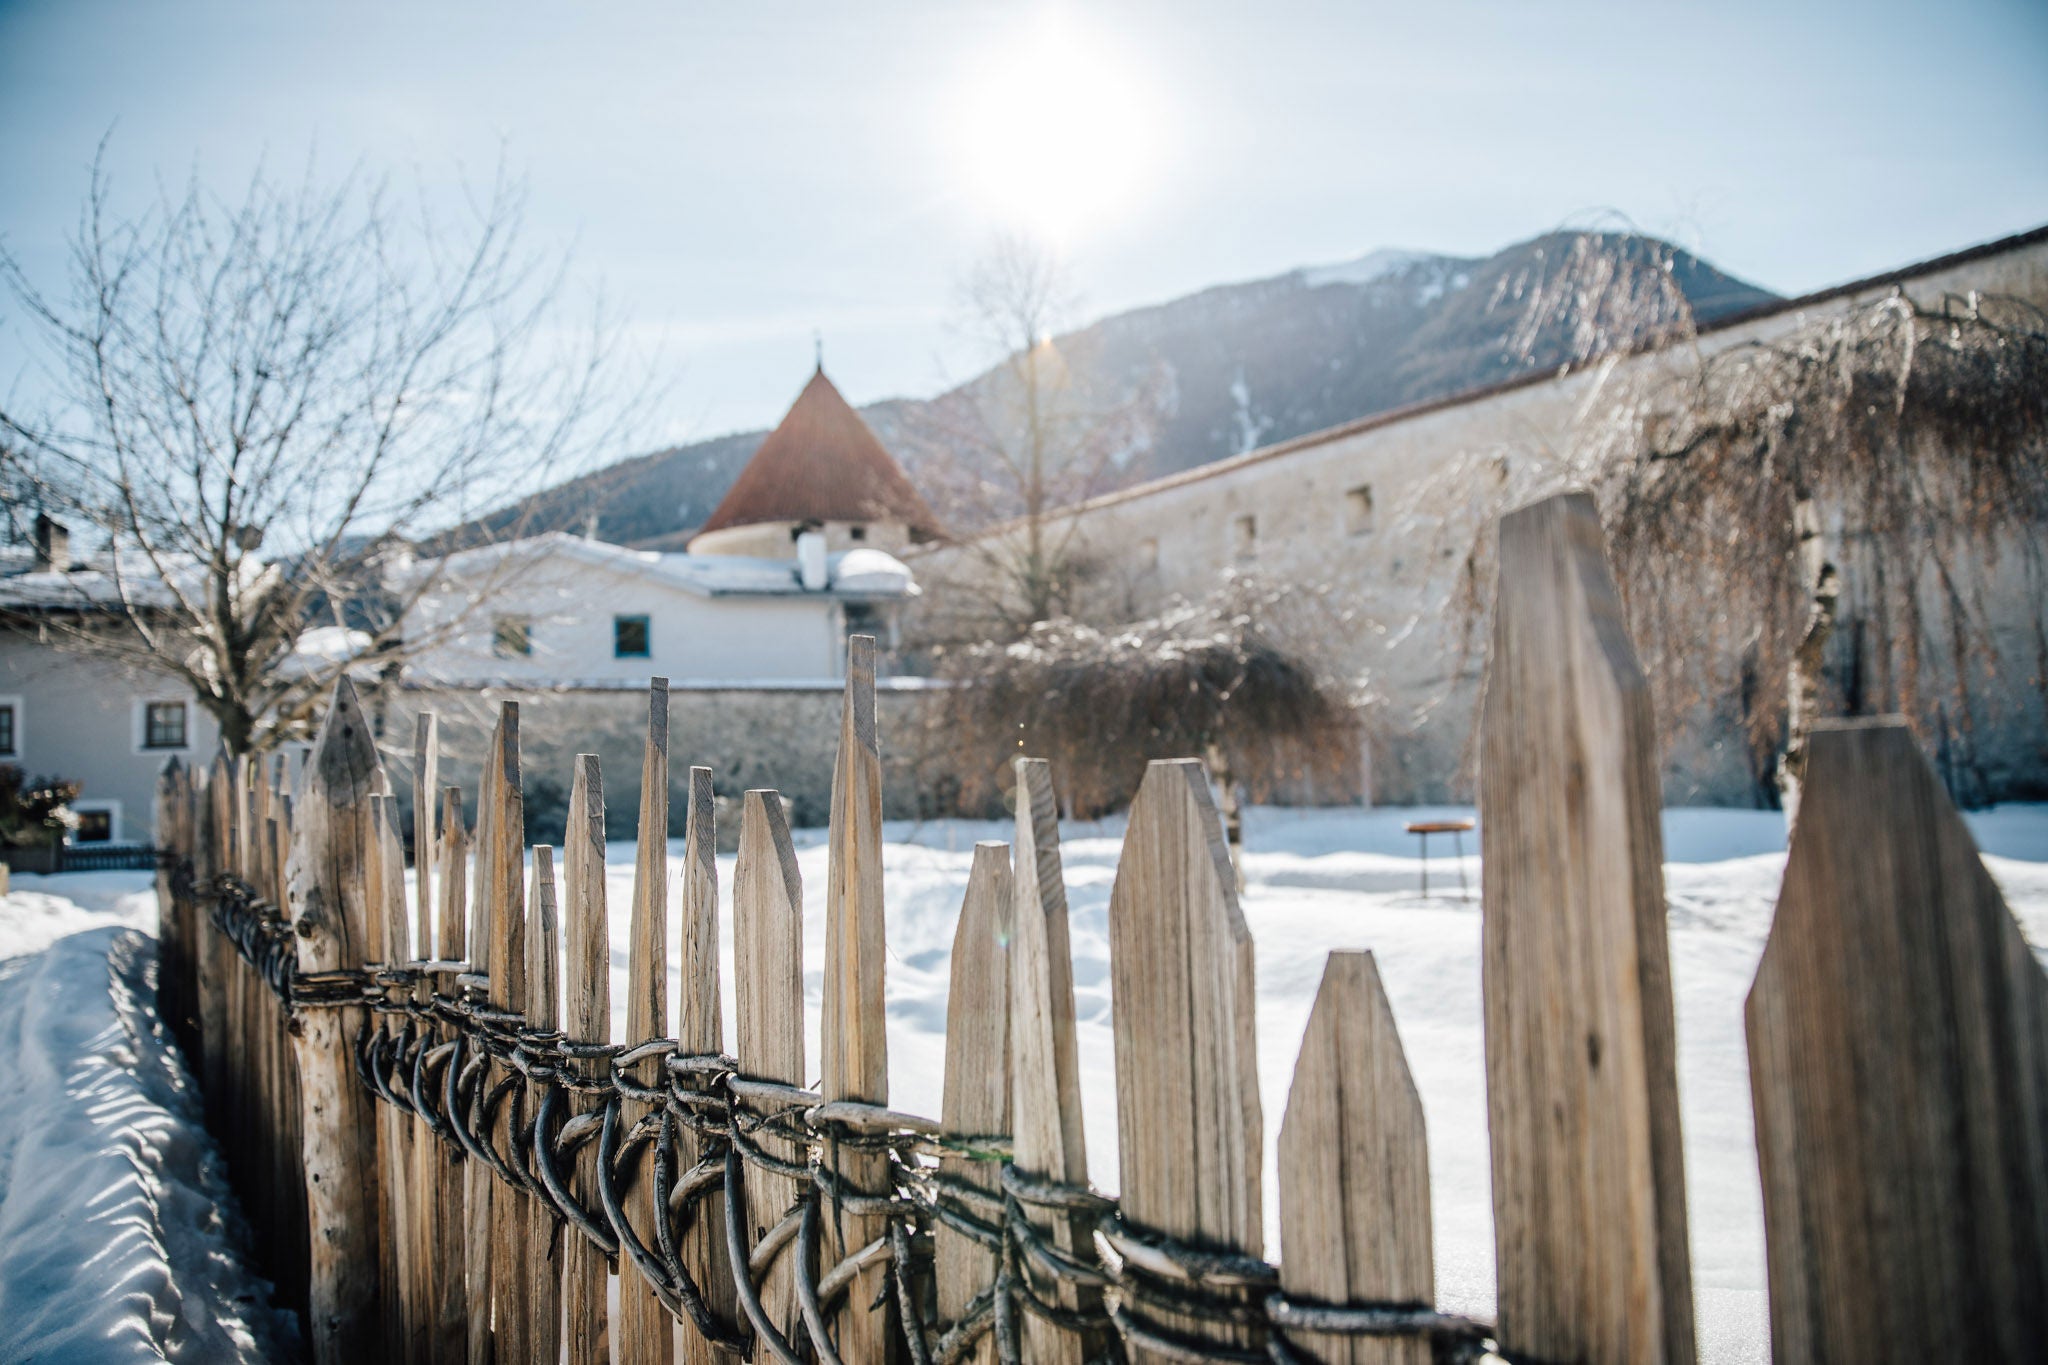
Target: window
10,746
862,618
856,533
512,637
629,637
1358,511
1244,536
163,725
95,825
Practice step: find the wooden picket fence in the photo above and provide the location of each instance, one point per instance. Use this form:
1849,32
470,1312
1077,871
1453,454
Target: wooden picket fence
442,1166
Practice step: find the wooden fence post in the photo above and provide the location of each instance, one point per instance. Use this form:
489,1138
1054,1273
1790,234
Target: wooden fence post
387,945
768,1000
478,1181
1898,1046
543,990
976,1101
584,1267
700,1031
331,917
441,1165
853,1032
426,790
504,791
174,931
1582,1092
1049,1141
646,1335
217,962
1181,997
1354,1169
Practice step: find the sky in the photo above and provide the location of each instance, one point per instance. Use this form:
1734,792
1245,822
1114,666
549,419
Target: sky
739,180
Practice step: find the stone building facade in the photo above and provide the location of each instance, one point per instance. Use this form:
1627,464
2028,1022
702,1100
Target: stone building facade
1384,512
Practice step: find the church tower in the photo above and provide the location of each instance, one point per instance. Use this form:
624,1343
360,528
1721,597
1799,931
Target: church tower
822,470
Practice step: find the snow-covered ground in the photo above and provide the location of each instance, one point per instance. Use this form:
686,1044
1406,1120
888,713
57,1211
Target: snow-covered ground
118,1241
126,1156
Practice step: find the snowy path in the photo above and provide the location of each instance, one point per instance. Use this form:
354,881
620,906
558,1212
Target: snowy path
112,1244
120,1190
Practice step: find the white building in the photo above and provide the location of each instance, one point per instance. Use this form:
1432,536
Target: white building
93,720
558,611
795,559
749,627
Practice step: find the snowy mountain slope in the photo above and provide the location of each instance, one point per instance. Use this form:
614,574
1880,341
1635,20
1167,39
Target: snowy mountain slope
1241,365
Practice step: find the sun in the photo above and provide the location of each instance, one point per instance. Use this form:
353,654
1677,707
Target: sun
1056,134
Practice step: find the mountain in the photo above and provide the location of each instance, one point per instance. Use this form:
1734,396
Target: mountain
1239,366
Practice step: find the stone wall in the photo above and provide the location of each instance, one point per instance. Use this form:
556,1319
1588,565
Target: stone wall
784,738
1383,513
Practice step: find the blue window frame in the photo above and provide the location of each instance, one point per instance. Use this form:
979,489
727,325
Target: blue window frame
631,637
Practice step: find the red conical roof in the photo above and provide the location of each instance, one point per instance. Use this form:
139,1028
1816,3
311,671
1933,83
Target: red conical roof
822,464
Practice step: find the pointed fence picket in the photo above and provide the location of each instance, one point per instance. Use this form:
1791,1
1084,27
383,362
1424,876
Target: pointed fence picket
1581,1052
975,1110
458,1159
1898,1044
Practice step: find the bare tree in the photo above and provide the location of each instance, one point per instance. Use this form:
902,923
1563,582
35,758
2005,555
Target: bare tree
256,406
1884,469
1009,457
1229,678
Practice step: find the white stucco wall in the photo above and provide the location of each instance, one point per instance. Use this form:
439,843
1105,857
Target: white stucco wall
572,605
81,718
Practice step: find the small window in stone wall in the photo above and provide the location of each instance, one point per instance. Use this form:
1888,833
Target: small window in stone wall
631,637
1244,536
512,637
857,533
1358,511
8,744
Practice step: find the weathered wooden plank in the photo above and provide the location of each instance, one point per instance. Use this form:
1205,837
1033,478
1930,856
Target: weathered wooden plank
216,957
479,1189
588,929
768,1000
386,871
440,1165
852,1034
1582,1098
645,1335
1898,1047
426,792
700,1030
504,793
1181,992
1049,1138
543,1011
976,1099
331,914
174,936
1354,1169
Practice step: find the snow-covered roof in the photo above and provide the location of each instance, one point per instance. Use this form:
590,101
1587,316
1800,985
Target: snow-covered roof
862,573
99,581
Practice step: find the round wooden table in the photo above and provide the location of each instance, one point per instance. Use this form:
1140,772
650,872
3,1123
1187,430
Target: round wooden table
1457,829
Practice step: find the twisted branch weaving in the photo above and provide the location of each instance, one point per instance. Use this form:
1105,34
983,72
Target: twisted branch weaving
430,1045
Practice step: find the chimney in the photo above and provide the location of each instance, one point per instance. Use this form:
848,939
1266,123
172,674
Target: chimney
810,560
53,545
